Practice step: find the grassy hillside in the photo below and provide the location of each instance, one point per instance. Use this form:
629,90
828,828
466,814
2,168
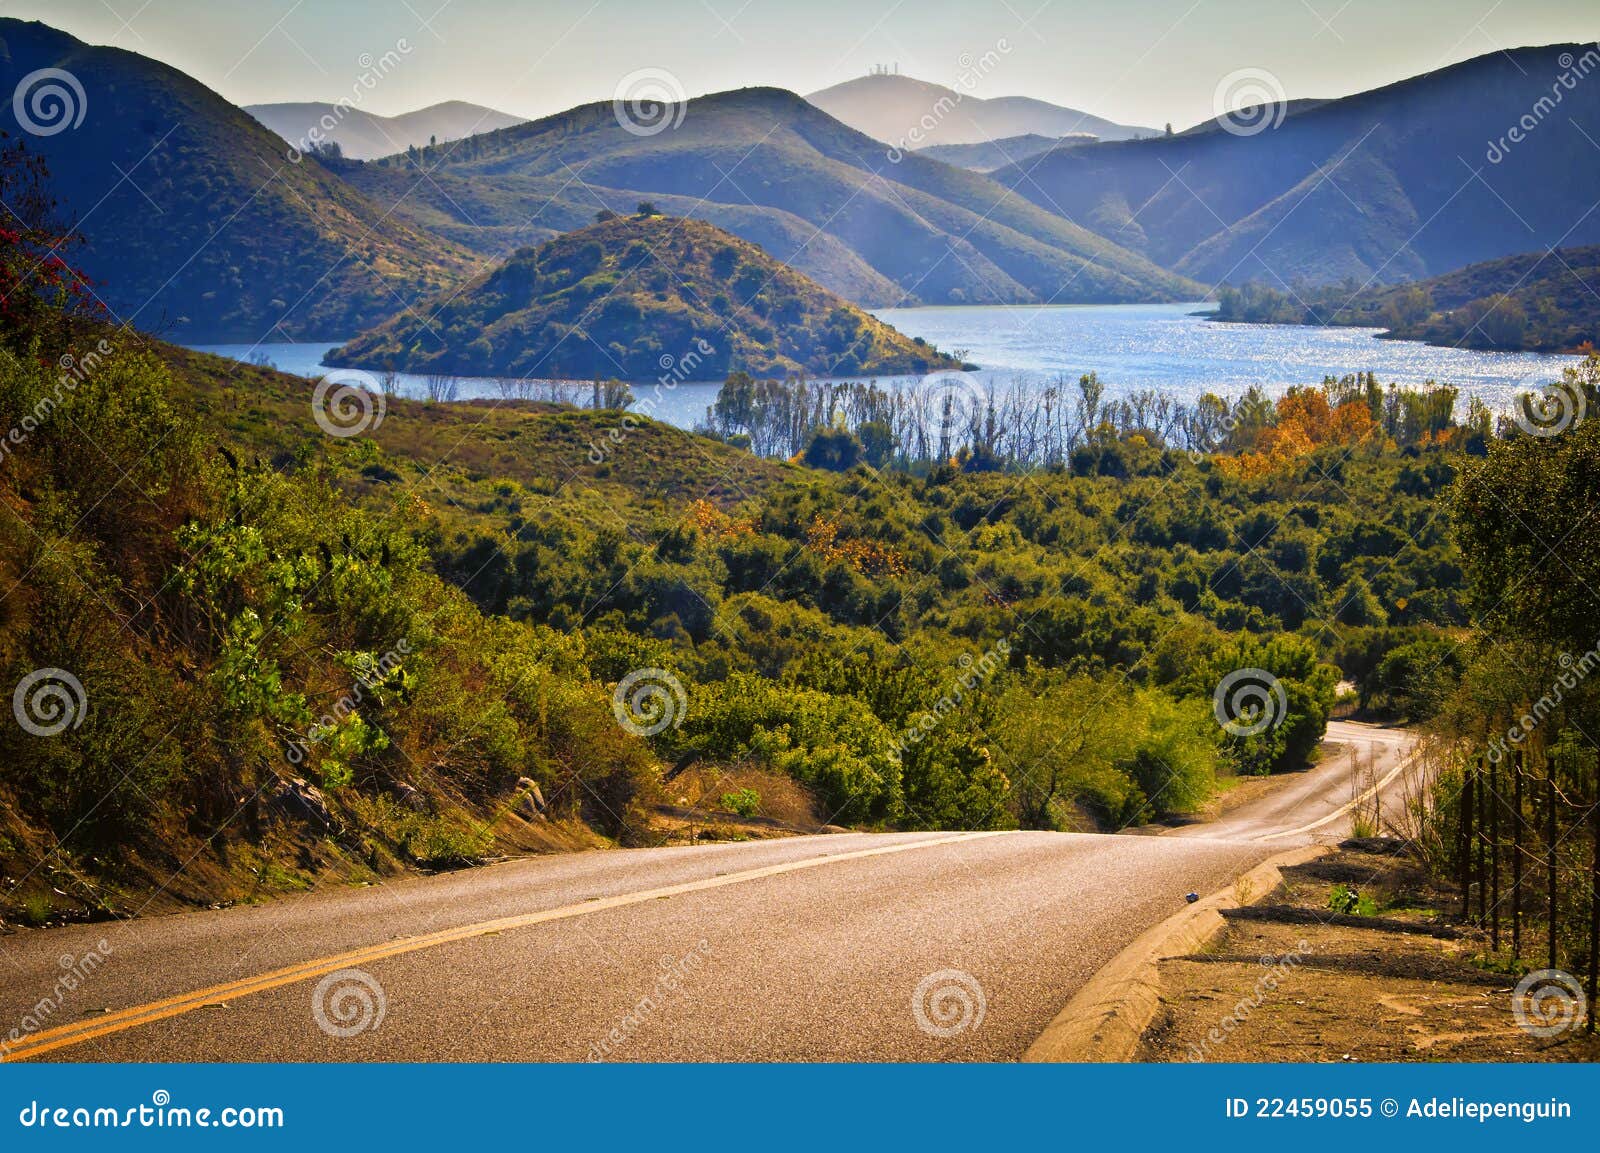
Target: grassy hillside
1537,301
213,233
940,234
1378,186
473,459
632,298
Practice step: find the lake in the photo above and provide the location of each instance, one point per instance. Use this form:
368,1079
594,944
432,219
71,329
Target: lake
1134,346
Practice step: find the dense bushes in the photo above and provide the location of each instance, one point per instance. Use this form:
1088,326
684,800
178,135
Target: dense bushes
231,627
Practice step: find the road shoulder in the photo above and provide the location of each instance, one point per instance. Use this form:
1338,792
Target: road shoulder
1107,1018
1295,980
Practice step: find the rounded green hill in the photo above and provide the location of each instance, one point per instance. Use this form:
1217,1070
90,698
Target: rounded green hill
642,297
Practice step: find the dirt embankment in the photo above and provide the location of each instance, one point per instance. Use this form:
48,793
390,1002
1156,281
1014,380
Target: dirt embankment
1391,978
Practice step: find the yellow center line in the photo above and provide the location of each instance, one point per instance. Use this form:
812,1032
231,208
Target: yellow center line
81,1031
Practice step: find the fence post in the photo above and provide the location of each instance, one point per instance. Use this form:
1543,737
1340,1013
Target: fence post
1594,895
1496,803
1483,864
1516,856
1464,840
1550,852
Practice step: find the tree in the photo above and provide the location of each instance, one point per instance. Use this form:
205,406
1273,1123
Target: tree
1529,537
41,293
1411,306
835,449
877,442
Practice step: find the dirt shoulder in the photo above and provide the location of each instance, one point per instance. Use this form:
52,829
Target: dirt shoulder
1395,979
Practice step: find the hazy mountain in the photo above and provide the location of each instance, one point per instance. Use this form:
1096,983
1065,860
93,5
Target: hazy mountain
993,154
896,110
779,172
365,135
630,298
494,218
1395,183
196,222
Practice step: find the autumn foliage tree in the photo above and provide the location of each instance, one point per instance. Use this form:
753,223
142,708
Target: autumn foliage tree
42,296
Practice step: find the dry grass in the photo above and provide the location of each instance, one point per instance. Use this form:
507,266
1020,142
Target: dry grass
782,799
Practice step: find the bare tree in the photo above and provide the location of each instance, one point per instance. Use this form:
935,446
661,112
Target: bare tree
441,387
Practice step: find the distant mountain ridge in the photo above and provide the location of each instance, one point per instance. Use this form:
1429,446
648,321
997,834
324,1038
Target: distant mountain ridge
196,223
993,154
1395,183
636,297
909,113
778,171
363,135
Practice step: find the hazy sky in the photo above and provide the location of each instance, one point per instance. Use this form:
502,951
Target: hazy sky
1136,61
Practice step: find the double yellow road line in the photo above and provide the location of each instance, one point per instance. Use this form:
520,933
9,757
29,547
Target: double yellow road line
78,1032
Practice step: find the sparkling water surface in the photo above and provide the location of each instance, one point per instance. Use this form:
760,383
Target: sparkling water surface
1169,347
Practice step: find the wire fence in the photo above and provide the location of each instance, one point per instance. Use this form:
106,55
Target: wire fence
1524,829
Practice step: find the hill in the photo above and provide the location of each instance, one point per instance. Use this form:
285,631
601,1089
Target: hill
992,154
1535,301
631,298
1410,180
363,135
893,109
776,171
195,220
350,634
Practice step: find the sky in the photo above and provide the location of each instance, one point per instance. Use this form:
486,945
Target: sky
1146,62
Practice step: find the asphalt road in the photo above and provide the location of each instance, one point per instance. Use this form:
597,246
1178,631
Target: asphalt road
1316,805
847,947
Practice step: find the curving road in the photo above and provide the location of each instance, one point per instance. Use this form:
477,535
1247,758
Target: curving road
1317,804
921,947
